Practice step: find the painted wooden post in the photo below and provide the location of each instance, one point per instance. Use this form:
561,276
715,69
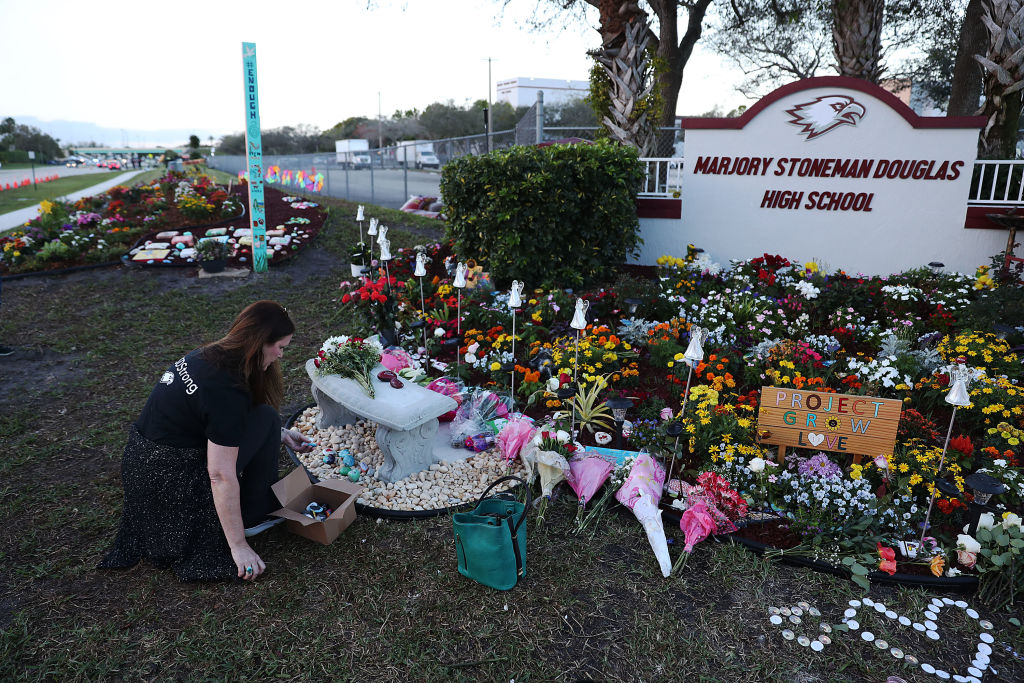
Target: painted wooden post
254,152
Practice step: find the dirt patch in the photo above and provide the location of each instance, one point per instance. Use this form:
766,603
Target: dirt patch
36,372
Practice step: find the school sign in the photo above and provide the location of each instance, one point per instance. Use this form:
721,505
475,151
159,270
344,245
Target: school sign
833,169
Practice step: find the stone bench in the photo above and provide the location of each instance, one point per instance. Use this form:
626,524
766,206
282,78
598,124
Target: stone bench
406,418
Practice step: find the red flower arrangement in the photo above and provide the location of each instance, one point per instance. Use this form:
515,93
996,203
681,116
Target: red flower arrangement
721,493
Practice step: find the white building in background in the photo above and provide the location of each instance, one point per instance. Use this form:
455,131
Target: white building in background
522,92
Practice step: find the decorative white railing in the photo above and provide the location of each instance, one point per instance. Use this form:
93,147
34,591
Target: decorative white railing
663,177
997,183
994,183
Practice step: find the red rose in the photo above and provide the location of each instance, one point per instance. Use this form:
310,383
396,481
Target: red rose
345,299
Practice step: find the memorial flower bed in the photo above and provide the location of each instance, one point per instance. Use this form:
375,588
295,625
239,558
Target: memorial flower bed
907,342
103,227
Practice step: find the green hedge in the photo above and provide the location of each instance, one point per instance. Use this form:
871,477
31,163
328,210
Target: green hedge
563,215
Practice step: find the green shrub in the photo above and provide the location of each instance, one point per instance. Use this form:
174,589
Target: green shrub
560,216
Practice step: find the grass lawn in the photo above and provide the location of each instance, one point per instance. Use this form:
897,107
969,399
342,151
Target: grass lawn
12,200
384,602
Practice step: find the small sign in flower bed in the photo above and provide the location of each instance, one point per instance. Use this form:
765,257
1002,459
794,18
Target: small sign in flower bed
897,399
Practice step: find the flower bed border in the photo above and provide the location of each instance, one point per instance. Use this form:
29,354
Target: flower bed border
397,515
960,584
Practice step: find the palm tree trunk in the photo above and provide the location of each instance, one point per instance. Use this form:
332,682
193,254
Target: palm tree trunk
1004,78
857,37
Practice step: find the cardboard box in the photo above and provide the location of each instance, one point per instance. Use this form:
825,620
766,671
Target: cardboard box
295,492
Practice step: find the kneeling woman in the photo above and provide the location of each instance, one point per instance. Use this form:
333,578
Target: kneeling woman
202,456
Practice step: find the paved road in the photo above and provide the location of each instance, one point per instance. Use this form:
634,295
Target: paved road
388,187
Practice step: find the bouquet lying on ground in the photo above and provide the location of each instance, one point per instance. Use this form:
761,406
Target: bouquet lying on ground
641,493
349,357
548,454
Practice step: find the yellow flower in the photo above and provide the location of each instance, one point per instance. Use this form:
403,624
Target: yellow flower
45,207
495,366
915,479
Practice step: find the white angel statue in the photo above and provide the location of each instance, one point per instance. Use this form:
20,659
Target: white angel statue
460,276
515,295
385,249
421,264
579,318
695,350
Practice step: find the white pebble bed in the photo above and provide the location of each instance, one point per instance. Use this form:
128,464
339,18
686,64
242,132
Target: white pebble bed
445,484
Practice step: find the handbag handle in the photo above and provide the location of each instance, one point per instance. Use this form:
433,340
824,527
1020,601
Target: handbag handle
529,498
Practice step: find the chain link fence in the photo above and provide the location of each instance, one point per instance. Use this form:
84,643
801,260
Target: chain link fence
389,176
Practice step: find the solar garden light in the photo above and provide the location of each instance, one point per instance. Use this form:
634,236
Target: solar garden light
694,354
619,405
459,283
515,301
983,486
673,429
372,232
578,323
960,376
632,303
936,266
420,272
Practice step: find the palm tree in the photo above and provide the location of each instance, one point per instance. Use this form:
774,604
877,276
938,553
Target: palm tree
1004,77
625,35
857,37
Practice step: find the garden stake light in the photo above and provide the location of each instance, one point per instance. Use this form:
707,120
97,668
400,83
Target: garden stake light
459,283
983,486
382,236
360,217
694,354
579,323
421,270
960,376
673,429
619,406
515,300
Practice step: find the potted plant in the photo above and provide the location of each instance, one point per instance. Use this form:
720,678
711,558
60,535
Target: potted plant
359,255
213,254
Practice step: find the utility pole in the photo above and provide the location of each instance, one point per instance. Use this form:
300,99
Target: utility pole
490,108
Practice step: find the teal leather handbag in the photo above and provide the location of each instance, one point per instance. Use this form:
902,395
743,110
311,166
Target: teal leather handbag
490,541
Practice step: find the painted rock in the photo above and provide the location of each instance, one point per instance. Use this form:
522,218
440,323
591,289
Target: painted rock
347,459
344,470
353,475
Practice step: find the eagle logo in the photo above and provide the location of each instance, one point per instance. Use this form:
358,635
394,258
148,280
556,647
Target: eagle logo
825,113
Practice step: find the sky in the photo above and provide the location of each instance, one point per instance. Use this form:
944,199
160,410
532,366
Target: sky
145,66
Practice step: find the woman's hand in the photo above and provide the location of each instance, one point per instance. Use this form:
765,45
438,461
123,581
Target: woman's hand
296,441
248,562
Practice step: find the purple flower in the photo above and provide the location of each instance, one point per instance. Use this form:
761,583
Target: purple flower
819,466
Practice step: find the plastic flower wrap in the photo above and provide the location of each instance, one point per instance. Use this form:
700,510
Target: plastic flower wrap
513,436
449,387
479,412
395,359
548,452
641,493
586,476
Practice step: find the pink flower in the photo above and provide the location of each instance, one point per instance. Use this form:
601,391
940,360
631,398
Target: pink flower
665,414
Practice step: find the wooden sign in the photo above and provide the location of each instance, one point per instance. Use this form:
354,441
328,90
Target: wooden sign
842,423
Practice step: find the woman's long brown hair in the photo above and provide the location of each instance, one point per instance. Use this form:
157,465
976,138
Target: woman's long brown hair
241,350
